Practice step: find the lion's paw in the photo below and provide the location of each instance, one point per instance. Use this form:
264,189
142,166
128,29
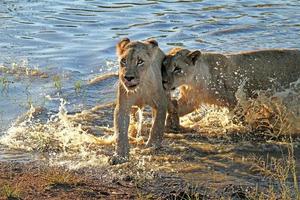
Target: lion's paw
153,144
116,160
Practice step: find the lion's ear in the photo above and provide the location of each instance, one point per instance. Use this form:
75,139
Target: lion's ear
184,52
166,61
193,56
153,42
121,45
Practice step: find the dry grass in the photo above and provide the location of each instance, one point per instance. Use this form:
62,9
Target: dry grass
269,115
282,176
61,178
10,192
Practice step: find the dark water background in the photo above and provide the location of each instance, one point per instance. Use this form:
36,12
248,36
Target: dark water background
75,40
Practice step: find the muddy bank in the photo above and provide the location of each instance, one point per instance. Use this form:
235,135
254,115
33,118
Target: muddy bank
39,181
215,168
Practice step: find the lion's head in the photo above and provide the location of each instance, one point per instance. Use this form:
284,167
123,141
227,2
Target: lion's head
178,67
135,59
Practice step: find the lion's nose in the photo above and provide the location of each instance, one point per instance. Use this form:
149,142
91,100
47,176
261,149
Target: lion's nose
129,78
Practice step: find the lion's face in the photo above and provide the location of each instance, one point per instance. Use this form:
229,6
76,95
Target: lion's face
178,67
134,61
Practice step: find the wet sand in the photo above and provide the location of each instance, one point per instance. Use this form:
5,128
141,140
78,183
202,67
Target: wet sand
214,170
39,181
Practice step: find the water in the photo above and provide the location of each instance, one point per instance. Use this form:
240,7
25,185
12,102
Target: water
74,41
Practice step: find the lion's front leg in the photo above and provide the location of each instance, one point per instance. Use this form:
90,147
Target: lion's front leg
121,124
172,122
157,129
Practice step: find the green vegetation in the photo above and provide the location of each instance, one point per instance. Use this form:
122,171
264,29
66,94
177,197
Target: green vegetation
78,86
57,82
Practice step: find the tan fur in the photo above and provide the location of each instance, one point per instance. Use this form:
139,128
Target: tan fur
214,77
148,91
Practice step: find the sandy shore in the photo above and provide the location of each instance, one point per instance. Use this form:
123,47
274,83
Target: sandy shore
33,180
216,175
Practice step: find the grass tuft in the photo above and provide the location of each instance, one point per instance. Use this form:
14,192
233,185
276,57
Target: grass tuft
61,177
10,192
279,172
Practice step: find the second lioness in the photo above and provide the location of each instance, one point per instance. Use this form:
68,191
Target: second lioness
215,78
140,84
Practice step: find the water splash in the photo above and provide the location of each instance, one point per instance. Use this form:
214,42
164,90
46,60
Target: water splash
60,138
70,139
22,69
271,113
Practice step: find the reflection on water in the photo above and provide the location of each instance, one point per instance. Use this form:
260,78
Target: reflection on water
52,48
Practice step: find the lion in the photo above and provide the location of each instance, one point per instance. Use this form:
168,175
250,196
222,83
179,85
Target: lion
140,84
214,78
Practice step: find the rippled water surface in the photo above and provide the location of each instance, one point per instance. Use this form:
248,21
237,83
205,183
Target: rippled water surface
73,41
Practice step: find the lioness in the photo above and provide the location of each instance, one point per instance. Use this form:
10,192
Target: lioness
215,78
140,84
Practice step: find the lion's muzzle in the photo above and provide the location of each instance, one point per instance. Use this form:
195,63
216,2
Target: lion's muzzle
131,82
165,84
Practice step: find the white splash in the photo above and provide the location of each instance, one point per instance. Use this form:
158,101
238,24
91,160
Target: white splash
61,139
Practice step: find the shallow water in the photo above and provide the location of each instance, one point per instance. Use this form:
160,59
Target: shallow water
74,41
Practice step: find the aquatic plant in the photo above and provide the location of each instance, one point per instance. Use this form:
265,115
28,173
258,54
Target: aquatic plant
4,84
78,86
57,82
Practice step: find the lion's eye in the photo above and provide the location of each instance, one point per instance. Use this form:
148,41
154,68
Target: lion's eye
140,62
177,70
123,61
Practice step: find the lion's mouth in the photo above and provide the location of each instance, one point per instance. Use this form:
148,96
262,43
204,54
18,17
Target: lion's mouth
131,84
166,87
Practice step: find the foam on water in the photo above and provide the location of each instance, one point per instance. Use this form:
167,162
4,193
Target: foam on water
59,137
22,69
